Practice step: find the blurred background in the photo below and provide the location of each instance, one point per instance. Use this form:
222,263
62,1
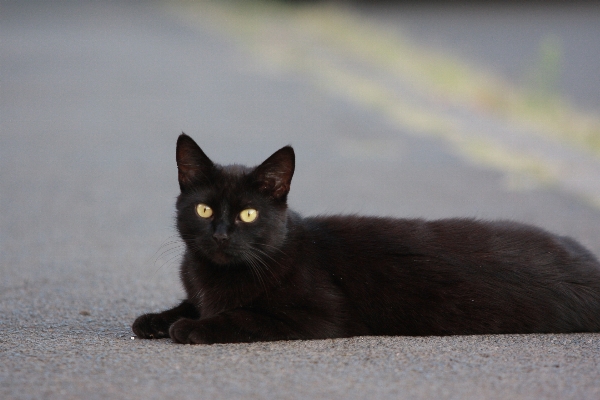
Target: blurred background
395,108
417,109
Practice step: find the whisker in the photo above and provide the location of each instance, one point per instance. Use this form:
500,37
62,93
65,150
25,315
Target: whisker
169,251
270,246
262,262
255,270
268,255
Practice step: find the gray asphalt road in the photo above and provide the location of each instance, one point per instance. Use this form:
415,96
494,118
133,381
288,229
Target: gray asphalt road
521,41
93,96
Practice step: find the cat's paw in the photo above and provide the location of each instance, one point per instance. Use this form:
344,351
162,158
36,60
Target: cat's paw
188,331
151,326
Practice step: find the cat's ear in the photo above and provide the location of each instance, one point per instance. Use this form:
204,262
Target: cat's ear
274,176
194,167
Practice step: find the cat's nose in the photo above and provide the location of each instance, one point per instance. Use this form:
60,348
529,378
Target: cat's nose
220,234
220,238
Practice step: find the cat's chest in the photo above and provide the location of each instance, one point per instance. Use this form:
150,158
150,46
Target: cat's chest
216,300
217,295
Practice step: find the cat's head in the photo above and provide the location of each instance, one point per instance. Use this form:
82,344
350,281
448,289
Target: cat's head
232,214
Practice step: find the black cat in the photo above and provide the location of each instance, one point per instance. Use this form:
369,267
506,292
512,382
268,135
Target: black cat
254,270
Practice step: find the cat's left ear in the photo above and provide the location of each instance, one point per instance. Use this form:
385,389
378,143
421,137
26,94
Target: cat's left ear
274,176
193,166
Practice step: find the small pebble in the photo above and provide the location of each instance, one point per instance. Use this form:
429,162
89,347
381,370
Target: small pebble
133,337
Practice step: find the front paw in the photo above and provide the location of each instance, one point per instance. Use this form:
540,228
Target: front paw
188,331
151,326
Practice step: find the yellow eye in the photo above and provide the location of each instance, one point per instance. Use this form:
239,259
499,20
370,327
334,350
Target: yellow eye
248,215
204,211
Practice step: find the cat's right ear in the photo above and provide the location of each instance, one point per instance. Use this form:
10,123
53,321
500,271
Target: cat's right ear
194,167
274,176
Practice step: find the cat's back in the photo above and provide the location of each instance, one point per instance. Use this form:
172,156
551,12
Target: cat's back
449,237
456,275
454,242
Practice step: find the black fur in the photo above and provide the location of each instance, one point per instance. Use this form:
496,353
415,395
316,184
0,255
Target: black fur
288,277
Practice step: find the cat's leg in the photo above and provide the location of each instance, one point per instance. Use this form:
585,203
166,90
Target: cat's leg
234,326
155,326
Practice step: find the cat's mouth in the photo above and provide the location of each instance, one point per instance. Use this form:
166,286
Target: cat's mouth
220,257
223,255
220,254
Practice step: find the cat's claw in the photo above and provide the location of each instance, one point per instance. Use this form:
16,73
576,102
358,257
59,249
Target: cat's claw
188,331
150,326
